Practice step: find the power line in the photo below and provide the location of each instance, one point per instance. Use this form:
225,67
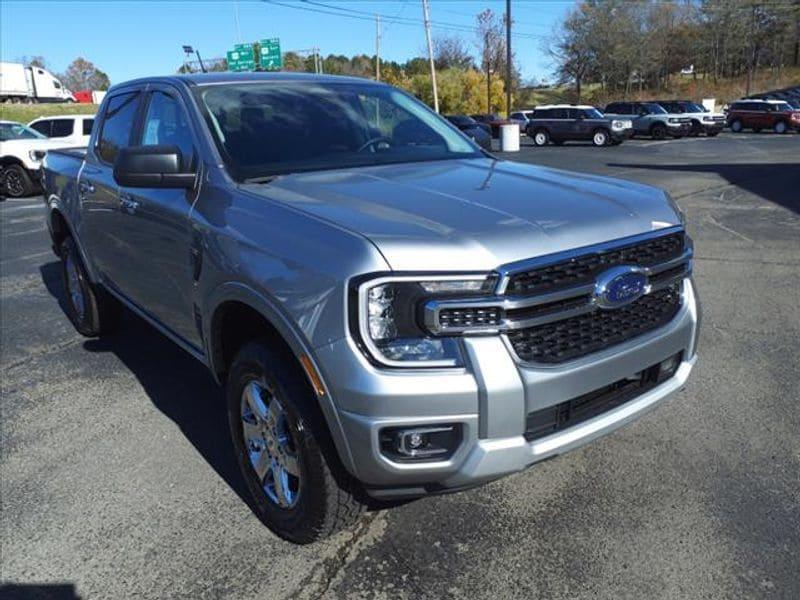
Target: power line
351,13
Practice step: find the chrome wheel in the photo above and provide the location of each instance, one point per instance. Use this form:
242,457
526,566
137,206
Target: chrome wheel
74,287
540,138
270,444
600,138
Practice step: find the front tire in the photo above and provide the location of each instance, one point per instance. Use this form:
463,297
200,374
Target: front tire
780,127
600,138
658,131
299,488
17,181
736,126
92,311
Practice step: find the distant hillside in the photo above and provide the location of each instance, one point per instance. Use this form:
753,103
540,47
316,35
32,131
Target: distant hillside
25,113
684,86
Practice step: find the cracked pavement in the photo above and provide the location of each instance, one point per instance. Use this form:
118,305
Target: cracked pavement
118,481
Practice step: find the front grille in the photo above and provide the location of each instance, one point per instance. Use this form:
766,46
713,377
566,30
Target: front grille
585,268
546,421
574,337
469,317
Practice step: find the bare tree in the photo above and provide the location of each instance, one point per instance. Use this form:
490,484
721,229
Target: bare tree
451,52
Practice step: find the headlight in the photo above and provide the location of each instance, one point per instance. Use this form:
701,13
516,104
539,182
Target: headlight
672,120
37,155
705,118
676,208
389,318
617,124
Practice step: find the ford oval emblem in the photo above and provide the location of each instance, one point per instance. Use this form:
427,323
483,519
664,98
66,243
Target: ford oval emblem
620,286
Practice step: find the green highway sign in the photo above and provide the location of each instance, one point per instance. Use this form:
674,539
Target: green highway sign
242,59
270,54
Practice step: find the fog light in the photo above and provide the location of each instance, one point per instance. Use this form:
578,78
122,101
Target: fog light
420,443
667,368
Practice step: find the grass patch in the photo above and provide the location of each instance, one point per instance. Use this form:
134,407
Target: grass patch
25,113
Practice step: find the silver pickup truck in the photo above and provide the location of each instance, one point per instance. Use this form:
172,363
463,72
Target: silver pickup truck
393,312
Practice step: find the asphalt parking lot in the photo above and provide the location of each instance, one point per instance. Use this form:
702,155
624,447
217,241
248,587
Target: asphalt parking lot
118,481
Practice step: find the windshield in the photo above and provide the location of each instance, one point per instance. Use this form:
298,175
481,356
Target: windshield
593,113
693,107
781,106
655,109
18,131
271,128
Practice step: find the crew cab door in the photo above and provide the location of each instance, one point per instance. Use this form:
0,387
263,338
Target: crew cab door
162,259
101,228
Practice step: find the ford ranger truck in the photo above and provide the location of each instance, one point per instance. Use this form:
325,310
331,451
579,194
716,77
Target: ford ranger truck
392,311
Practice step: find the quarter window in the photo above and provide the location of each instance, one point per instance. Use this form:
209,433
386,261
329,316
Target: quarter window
165,125
87,126
118,125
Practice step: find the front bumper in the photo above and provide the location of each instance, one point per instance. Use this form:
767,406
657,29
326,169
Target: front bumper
679,129
712,126
490,400
620,135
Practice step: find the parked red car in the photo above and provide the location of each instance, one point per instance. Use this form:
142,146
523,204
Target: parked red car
763,114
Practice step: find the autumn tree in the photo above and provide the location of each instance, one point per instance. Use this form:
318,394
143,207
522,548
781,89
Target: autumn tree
82,74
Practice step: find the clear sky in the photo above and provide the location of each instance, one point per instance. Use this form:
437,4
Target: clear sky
128,39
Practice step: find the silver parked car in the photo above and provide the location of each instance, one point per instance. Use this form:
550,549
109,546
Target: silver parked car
392,312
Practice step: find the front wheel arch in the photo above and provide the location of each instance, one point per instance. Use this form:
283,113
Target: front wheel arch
246,306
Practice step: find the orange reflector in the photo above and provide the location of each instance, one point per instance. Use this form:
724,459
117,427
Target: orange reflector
313,376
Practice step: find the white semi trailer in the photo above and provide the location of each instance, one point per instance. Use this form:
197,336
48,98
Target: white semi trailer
19,83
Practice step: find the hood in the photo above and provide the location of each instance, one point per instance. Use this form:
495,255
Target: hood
473,214
33,144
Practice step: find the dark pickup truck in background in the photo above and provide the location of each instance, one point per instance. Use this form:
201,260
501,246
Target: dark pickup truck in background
392,311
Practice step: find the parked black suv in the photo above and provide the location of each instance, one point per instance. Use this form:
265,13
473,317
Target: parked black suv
565,122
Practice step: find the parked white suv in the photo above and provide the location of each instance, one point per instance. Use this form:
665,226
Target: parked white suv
71,130
21,152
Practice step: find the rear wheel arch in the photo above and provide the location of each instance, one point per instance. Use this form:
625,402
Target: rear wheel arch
244,316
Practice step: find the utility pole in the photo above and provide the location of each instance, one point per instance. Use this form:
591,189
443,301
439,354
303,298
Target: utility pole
377,48
488,54
430,54
236,18
508,58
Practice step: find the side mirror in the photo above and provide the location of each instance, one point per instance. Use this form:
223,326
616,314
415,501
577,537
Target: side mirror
151,167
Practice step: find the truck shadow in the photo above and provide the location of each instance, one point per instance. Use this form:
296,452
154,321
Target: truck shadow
774,182
177,385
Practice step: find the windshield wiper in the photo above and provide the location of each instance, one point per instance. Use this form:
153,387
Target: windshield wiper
264,178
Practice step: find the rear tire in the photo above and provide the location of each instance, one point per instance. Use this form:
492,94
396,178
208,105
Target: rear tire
736,126
541,137
91,309
17,182
299,488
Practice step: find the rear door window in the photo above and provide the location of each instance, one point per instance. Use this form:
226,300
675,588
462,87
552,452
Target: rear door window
87,126
118,124
62,128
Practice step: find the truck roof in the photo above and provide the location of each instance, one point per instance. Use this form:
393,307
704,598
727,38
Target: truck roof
197,79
